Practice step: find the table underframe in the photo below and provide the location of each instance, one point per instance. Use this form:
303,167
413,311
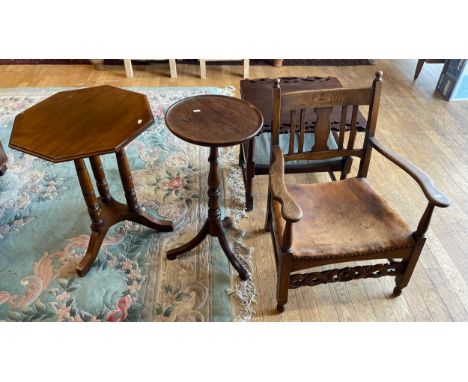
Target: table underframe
213,225
104,210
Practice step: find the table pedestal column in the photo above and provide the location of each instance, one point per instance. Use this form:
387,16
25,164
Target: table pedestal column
105,211
213,225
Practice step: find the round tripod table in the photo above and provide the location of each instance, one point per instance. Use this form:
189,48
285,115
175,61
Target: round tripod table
87,123
213,121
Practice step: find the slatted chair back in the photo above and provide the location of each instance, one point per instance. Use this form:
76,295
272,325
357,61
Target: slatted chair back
322,102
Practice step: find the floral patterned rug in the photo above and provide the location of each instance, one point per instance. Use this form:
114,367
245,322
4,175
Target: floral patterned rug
44,231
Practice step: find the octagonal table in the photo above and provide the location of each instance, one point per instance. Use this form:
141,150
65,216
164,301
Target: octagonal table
87,123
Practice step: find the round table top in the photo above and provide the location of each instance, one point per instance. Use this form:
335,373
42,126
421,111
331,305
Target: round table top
214,120
80,123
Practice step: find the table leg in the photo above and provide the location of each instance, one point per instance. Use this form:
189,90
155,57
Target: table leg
100,176
199,237
214,206
243,274
213,225
99,229
105,211
87,189
136,215
214,214
94,246
127,181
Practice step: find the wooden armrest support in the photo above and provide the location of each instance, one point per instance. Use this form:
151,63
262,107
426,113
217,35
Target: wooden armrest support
290,210
431,192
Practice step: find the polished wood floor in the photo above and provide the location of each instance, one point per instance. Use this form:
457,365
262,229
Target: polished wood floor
414,121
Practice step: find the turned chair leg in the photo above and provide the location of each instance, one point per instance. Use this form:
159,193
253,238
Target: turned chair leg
128,68
98,64
173,67
278,62
203,69
246,68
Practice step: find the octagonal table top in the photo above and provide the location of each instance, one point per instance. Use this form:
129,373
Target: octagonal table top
81,123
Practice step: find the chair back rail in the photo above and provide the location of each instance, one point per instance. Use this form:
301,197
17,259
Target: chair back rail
322,102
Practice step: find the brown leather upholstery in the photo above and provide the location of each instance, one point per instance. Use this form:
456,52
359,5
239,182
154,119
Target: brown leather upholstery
343,219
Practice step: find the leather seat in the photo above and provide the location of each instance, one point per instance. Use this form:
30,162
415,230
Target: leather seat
343,219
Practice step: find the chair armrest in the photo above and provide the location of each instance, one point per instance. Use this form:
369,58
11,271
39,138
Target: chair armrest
290,210
431,192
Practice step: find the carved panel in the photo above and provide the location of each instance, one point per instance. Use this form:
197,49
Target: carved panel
346,274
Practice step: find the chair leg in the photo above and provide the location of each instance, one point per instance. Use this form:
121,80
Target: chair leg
203,69
246,68
419,67
98,64
282,285
268,216
346,168
248,192
128,68
250,174
241,156
278,62
402,280
173,67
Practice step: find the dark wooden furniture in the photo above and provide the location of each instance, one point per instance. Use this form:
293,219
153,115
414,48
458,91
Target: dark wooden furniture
87,123
255,154
3,160
213,121
421,63
327,223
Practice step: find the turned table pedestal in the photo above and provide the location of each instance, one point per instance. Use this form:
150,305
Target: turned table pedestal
213,121
87,123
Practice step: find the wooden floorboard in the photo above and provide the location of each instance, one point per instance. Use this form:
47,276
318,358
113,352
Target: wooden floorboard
413,120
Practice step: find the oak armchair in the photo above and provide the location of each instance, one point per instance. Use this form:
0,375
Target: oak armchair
347,220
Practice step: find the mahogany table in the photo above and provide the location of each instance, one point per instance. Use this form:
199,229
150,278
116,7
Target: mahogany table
87,123
213,121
